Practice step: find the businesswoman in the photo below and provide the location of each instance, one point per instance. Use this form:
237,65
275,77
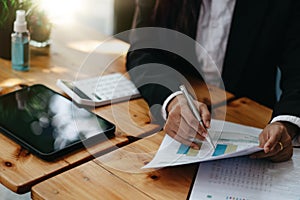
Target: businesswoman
248,40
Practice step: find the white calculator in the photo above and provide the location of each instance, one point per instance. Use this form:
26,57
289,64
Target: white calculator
101,90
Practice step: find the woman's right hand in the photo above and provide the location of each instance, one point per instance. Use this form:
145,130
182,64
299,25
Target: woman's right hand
181,123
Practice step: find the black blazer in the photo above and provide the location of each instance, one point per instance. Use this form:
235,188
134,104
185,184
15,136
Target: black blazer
264,35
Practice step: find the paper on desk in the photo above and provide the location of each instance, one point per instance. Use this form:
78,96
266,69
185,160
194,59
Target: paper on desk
232,140
249,179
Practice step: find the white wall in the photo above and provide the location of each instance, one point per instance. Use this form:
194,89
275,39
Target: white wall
98,14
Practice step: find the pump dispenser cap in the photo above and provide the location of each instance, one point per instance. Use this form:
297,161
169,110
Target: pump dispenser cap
20,25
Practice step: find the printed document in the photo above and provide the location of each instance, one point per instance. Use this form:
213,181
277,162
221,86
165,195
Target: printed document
230,139
248,179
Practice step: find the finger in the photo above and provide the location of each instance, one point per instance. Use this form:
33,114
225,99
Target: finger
263,137
274,138
190,119
269,138
263,154
286,140
173,120
182,122
176,123
184,141
284,155
179,126
205,115
188,132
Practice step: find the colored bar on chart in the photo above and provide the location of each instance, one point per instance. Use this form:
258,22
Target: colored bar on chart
192,152
230,148
183,149
220,149
187,150
224,149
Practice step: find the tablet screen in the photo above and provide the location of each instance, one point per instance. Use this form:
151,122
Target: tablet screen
46,122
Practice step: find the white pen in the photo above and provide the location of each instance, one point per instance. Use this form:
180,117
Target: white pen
195,112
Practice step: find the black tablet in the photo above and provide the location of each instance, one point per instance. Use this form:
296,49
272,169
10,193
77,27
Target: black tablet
48,124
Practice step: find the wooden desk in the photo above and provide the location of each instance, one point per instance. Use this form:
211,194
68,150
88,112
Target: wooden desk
125,164
245,111
19,169
63,59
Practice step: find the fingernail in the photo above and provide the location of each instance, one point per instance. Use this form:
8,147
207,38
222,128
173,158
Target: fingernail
196,147
267,150
207,124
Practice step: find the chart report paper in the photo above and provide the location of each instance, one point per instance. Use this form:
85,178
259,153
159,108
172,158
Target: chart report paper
230,139
248,179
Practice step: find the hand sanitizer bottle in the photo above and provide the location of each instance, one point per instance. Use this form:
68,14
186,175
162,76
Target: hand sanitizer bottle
20,43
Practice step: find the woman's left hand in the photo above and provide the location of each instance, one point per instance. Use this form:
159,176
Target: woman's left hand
276,141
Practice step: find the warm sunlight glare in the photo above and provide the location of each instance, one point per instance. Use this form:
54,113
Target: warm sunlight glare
61,11
108,47
10,82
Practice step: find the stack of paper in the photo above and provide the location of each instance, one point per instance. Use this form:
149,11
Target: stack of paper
230,139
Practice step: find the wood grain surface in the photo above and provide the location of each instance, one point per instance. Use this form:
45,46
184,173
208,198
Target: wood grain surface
84,53
126,162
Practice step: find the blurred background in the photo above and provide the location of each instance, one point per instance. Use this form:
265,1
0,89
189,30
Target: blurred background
107,16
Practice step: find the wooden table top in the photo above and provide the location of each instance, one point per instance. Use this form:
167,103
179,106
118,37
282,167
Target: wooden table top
244,111
20,169
64,59
126,162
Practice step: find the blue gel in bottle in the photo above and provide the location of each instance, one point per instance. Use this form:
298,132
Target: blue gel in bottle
20,43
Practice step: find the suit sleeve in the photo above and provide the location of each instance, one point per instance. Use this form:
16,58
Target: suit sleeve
156,72
289,103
